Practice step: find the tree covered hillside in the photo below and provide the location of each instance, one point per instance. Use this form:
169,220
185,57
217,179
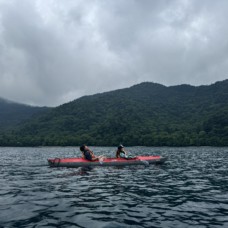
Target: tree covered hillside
147,114
12,113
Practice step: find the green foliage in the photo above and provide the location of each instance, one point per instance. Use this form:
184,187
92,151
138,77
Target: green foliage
11,113
146,114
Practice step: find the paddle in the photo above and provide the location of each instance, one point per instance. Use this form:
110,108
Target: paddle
101,159
146,163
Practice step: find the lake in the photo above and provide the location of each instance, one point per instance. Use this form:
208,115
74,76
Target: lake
189,190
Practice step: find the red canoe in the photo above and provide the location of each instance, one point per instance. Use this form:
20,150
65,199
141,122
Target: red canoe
81,162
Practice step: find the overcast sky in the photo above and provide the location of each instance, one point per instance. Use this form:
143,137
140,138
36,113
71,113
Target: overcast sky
54,51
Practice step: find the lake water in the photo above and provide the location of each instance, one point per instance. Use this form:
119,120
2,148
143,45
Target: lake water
189,190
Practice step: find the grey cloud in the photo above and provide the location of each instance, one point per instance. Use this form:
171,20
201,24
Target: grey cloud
52,52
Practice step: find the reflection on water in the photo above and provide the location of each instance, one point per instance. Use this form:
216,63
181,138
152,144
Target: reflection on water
189,190
82,171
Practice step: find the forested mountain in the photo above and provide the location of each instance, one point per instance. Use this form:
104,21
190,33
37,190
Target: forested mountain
12,113
146,114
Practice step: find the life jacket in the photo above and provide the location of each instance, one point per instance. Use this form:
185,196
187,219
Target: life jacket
122,154
87,155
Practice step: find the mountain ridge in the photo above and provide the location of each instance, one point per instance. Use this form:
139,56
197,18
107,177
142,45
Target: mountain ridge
148,114
12,113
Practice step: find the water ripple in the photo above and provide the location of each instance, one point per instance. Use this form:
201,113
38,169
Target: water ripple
190,190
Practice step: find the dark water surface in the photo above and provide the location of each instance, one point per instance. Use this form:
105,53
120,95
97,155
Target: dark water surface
190,190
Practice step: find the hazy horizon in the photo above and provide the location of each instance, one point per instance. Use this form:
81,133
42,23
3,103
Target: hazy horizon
53,52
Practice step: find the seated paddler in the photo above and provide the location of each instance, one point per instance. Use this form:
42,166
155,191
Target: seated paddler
121,153
88,154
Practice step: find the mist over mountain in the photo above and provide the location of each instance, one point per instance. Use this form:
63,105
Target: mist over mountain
148,114
12,113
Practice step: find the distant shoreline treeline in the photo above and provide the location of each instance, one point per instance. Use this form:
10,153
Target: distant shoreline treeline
158,141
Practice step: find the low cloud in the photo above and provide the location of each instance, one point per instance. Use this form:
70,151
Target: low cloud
52,52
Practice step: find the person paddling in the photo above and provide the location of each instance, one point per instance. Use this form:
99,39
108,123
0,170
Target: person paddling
121,153
88,154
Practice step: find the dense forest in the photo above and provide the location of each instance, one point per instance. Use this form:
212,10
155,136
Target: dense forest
146,114
12,113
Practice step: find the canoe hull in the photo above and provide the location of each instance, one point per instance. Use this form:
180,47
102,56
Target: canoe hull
80,162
